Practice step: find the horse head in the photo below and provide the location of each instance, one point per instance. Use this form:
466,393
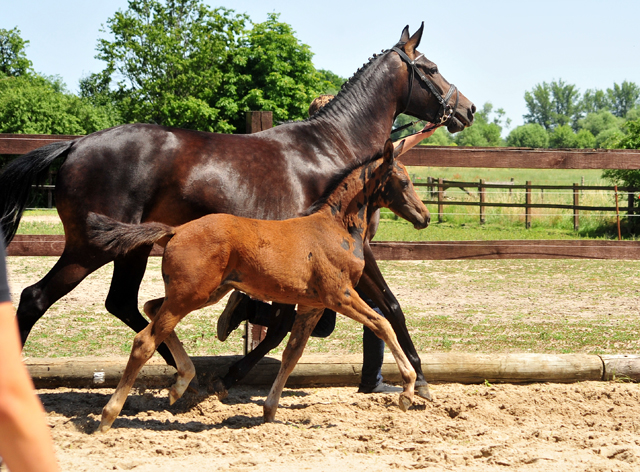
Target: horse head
397,191
428,95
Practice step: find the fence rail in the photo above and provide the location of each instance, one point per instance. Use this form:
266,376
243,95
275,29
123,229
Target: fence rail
435,156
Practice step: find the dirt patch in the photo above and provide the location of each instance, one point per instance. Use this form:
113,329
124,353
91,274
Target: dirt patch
588,426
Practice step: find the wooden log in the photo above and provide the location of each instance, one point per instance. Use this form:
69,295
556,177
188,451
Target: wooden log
326,370
621,367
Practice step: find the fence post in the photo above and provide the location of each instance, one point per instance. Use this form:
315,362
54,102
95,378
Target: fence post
481,193
440,200
527,205
576,204
256,121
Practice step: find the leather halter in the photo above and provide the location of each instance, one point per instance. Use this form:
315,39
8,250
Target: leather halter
446,111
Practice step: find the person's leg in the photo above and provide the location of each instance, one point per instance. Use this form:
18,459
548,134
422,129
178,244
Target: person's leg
372,358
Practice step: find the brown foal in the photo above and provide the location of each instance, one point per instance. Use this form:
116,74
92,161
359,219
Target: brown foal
314,261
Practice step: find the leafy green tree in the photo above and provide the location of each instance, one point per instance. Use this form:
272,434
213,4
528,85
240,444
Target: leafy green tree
565,103
594,101
599,121
13,58
331,83
532,135
174,59
623,97
552,104
184,64
585,140
440,138
486,130
540,105
39,105
562,137
276,72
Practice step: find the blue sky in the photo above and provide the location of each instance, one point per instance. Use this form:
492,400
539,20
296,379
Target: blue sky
492,50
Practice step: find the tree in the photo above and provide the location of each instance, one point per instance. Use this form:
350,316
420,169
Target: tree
531,135
276,72
185,64
173,59
623,97
594,101
600,121
585,140
331,83
40,105
486,130
552,104
540,105
562,137
13,58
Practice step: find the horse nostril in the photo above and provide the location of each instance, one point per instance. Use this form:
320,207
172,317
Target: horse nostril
473,108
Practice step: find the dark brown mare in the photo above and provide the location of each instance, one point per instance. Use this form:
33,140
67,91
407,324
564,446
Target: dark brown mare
140,172
314,261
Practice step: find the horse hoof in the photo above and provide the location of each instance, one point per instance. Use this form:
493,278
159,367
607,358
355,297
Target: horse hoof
423,392
104,427
217,388
173,396
404,402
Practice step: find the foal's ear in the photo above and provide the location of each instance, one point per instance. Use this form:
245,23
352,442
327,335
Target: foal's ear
413,42
389,154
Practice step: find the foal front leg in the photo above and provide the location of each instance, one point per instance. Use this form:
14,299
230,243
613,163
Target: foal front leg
306,320
355,308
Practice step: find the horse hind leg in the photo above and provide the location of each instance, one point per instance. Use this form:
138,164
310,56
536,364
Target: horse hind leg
184,365
122,300
73,266
305,321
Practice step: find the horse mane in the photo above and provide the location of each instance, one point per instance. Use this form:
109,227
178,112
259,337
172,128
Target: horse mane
346,87
335,182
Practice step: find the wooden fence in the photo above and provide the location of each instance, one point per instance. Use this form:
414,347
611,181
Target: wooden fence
435,156
438,186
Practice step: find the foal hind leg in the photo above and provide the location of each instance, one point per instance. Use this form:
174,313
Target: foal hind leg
184,365
122,300
305,321
144,345
72,267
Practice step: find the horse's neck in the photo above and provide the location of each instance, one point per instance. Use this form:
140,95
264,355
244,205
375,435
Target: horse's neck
360,118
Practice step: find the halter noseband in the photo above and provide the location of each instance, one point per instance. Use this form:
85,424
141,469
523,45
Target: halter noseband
446,111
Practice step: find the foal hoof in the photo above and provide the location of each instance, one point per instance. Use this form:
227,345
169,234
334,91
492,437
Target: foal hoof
104,427
423,392
404,402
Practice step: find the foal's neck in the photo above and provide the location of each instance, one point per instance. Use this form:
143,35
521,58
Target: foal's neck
354,199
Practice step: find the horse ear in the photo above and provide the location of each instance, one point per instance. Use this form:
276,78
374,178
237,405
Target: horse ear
398,149
389,153
414,41
404,37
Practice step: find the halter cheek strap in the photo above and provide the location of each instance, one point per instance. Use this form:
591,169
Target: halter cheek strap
446,111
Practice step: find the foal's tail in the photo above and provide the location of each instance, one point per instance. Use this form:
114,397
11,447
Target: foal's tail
17,178
119,238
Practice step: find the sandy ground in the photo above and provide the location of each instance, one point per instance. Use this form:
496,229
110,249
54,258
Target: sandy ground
590,426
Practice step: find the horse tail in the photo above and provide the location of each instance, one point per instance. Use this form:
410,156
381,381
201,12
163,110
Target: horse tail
17,178
119,238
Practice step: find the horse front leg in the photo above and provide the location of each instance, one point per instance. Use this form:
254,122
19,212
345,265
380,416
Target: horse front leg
279,327
305,321
373,285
